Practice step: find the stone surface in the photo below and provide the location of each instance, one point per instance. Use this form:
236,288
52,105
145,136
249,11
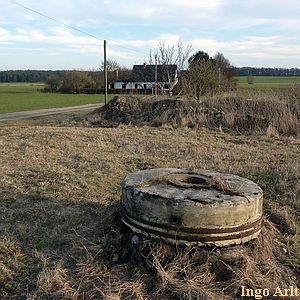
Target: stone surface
200,207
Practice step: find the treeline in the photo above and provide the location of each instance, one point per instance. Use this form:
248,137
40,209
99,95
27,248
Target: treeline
27,75
245,71
33,76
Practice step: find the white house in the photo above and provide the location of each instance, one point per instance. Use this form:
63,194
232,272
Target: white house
143,77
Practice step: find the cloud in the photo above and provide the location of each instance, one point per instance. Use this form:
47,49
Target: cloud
4,36
253,29
107,13
168,39
55,35
188,13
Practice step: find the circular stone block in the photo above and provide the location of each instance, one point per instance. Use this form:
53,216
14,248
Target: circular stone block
199,207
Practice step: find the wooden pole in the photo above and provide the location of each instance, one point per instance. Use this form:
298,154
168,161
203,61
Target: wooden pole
105,73
155,76
219,80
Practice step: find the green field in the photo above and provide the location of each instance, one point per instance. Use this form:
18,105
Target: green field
268,82
21,97
28,96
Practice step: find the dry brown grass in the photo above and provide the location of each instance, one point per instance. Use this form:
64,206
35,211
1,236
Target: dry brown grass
61,236
264,113
260,114
219,273
11,265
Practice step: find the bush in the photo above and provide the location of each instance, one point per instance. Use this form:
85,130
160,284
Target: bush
74,81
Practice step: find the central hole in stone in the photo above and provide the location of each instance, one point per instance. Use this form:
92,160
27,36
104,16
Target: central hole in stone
175,220
193,180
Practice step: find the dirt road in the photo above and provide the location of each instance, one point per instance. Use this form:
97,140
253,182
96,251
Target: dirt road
45,112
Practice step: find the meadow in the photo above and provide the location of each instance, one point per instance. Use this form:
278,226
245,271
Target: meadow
61,236
268,82
28,96
21,97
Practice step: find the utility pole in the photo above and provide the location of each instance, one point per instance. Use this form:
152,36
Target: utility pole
155,76
219,80
105,73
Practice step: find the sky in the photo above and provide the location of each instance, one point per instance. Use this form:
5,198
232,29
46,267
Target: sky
69,34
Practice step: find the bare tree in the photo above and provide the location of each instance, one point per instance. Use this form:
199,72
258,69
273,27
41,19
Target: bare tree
111,65
168,55
171,55
227,73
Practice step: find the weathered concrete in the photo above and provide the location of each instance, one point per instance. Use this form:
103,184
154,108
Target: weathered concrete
192,207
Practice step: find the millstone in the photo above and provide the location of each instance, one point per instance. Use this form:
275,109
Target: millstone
198,207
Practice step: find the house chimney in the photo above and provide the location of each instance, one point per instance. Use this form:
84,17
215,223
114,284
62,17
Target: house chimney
116,75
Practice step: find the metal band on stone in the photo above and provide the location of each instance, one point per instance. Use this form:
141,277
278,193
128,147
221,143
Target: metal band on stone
191,234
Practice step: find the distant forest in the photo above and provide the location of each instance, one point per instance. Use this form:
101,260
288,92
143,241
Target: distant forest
26,75
245,71
41,75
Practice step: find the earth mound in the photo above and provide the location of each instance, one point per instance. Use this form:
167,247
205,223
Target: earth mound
231,114
148,111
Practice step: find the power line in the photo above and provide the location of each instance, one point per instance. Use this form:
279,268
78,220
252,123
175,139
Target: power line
57,21
74,28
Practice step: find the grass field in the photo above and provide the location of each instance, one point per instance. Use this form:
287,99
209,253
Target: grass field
61,235
268,82
21,97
